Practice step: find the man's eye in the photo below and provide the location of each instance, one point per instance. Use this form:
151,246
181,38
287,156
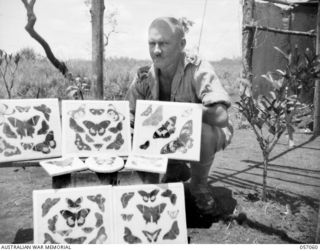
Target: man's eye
152,44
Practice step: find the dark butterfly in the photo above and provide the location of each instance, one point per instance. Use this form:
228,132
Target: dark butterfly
147,111
44,128
98,146
96,111
171,195
24,128
129,237
74,204
48,239
125,198
116,129
149,196
183,143
145,145
99,219
89,139
117,143
173,214
101,237
154,118
173,232
80,144
8,132
52,223
94,128
127,217
106,139
45,146
74,126
44,109
64,232
48,204
23,108
166,129
99,199
151,213
87,230
27,146
152,237
79,217
79,240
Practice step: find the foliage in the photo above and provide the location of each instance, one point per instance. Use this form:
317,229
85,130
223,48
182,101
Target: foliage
8,68
269,116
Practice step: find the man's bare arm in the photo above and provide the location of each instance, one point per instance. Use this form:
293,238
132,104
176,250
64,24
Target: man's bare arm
215,115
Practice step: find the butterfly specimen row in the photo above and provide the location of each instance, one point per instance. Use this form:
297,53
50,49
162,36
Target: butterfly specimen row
105,214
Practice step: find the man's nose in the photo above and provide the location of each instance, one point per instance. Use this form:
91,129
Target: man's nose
157,50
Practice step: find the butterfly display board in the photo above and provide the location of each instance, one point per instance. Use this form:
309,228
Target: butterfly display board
95,127
29,129
168,129
81,215
150,214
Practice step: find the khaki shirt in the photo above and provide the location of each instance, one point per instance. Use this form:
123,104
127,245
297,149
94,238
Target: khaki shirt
194,82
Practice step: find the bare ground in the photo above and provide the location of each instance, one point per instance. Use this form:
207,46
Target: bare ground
289,215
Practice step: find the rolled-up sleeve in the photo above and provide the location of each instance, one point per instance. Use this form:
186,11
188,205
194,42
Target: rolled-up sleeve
208,87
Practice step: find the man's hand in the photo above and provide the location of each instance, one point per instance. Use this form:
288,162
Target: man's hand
215,115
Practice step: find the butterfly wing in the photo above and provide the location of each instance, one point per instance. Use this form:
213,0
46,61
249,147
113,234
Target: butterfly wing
145,145
154,118
117,143
157,211
129,237
79,240
74,126
69,217
74,204
52,223
167,129
117,128
80,144
147,111
147,213
48,239
152,236
173,232
44,128
30,124
153,195
125,198
44,109
101,237
99,219
102,126
92,127
8,132
48,204
144,195
81,216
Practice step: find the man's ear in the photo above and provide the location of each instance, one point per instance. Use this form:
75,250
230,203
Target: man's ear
183,43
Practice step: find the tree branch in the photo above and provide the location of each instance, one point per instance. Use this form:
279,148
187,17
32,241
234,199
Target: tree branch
61,66
276,30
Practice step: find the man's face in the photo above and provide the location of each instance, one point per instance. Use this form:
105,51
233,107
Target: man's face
165,45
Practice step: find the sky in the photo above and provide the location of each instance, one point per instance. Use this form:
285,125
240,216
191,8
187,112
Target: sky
66,26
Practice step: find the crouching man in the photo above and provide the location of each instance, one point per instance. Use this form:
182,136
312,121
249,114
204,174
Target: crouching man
177,77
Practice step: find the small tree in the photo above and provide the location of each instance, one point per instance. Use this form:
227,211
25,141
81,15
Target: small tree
8,67
270,115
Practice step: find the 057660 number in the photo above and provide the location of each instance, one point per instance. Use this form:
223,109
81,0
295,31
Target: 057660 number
306,246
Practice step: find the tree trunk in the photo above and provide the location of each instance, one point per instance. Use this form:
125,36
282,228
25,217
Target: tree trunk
316,102
97,10
265,170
